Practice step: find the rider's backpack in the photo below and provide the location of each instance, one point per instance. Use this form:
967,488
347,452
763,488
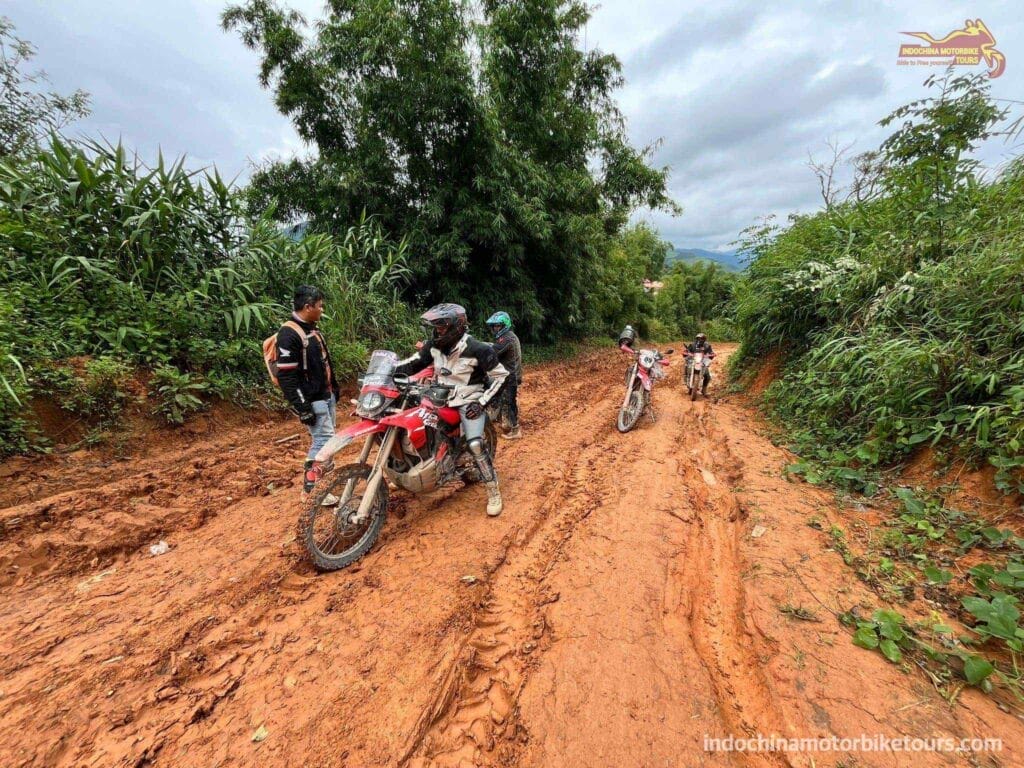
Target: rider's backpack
270,350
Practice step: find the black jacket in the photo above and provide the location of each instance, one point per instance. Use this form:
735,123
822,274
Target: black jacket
299,385
510,353
705,348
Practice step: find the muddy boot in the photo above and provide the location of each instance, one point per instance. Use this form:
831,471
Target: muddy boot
494,504
311,476
487,475
513,434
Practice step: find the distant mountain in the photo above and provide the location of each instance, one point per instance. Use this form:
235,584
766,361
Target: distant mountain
728,260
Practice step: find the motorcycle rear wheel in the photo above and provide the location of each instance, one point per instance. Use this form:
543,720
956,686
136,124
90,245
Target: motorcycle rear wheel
331,540
630,414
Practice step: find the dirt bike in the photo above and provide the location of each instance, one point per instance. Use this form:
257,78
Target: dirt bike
647,367
419,445
698,373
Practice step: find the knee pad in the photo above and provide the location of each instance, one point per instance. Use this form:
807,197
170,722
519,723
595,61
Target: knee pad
477,447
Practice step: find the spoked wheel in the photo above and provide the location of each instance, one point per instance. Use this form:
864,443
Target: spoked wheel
330,533
630,413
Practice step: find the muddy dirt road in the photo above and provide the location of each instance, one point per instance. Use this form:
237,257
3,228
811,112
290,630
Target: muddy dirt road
616,614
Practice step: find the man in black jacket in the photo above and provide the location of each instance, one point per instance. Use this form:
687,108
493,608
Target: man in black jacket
305,374
510,354
700,344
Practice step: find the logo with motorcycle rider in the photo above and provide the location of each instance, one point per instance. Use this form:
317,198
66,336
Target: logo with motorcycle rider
961,47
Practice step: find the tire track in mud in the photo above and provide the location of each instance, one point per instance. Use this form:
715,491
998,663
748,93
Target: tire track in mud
472,718
610,620
166,660
712,579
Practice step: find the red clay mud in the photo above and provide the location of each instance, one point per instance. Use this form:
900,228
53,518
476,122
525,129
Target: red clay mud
616,614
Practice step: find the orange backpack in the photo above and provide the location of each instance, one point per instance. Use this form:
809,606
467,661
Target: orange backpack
270,351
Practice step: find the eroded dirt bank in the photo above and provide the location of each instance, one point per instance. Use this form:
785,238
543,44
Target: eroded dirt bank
617,613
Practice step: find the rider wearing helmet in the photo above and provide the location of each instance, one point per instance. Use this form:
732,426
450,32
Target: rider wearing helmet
700,344
510,354
473,369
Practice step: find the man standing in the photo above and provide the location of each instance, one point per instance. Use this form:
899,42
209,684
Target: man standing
510,354
305,374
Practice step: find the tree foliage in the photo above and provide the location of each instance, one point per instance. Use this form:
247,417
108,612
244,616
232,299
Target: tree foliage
490,141
901,311
161,267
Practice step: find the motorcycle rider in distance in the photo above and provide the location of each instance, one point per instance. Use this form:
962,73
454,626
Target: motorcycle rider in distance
700,344
473,369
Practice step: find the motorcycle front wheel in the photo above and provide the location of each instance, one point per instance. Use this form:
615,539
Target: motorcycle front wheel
331,537
630,413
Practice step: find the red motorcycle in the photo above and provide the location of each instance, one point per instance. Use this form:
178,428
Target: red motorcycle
419,447
647,368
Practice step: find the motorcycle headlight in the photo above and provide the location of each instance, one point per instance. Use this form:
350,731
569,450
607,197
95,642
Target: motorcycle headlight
371,402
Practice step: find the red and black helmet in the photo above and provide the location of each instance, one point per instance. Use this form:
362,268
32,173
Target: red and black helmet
446,323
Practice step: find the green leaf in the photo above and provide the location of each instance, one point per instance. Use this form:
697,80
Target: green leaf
937,575
912,504
976,669
865,638
891,651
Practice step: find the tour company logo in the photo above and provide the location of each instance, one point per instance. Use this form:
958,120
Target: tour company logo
963,47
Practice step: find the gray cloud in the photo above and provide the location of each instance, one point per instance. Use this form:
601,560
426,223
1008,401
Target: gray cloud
162,76
672,49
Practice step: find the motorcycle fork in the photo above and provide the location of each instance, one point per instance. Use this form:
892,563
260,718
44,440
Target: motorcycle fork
629,385
351,484
376,476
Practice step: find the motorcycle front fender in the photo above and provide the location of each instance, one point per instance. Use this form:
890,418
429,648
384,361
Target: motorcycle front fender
645,379
345,437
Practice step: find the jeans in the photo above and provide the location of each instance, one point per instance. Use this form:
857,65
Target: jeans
323,430
509,403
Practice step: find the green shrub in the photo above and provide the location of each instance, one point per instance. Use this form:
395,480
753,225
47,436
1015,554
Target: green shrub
14,391
901,315
177,394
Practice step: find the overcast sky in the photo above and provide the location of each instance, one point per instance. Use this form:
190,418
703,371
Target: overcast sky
737,92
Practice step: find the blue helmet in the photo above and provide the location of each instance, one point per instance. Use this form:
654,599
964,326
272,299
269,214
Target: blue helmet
499,322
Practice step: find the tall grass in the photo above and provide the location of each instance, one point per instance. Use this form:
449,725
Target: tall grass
902,316
160,266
